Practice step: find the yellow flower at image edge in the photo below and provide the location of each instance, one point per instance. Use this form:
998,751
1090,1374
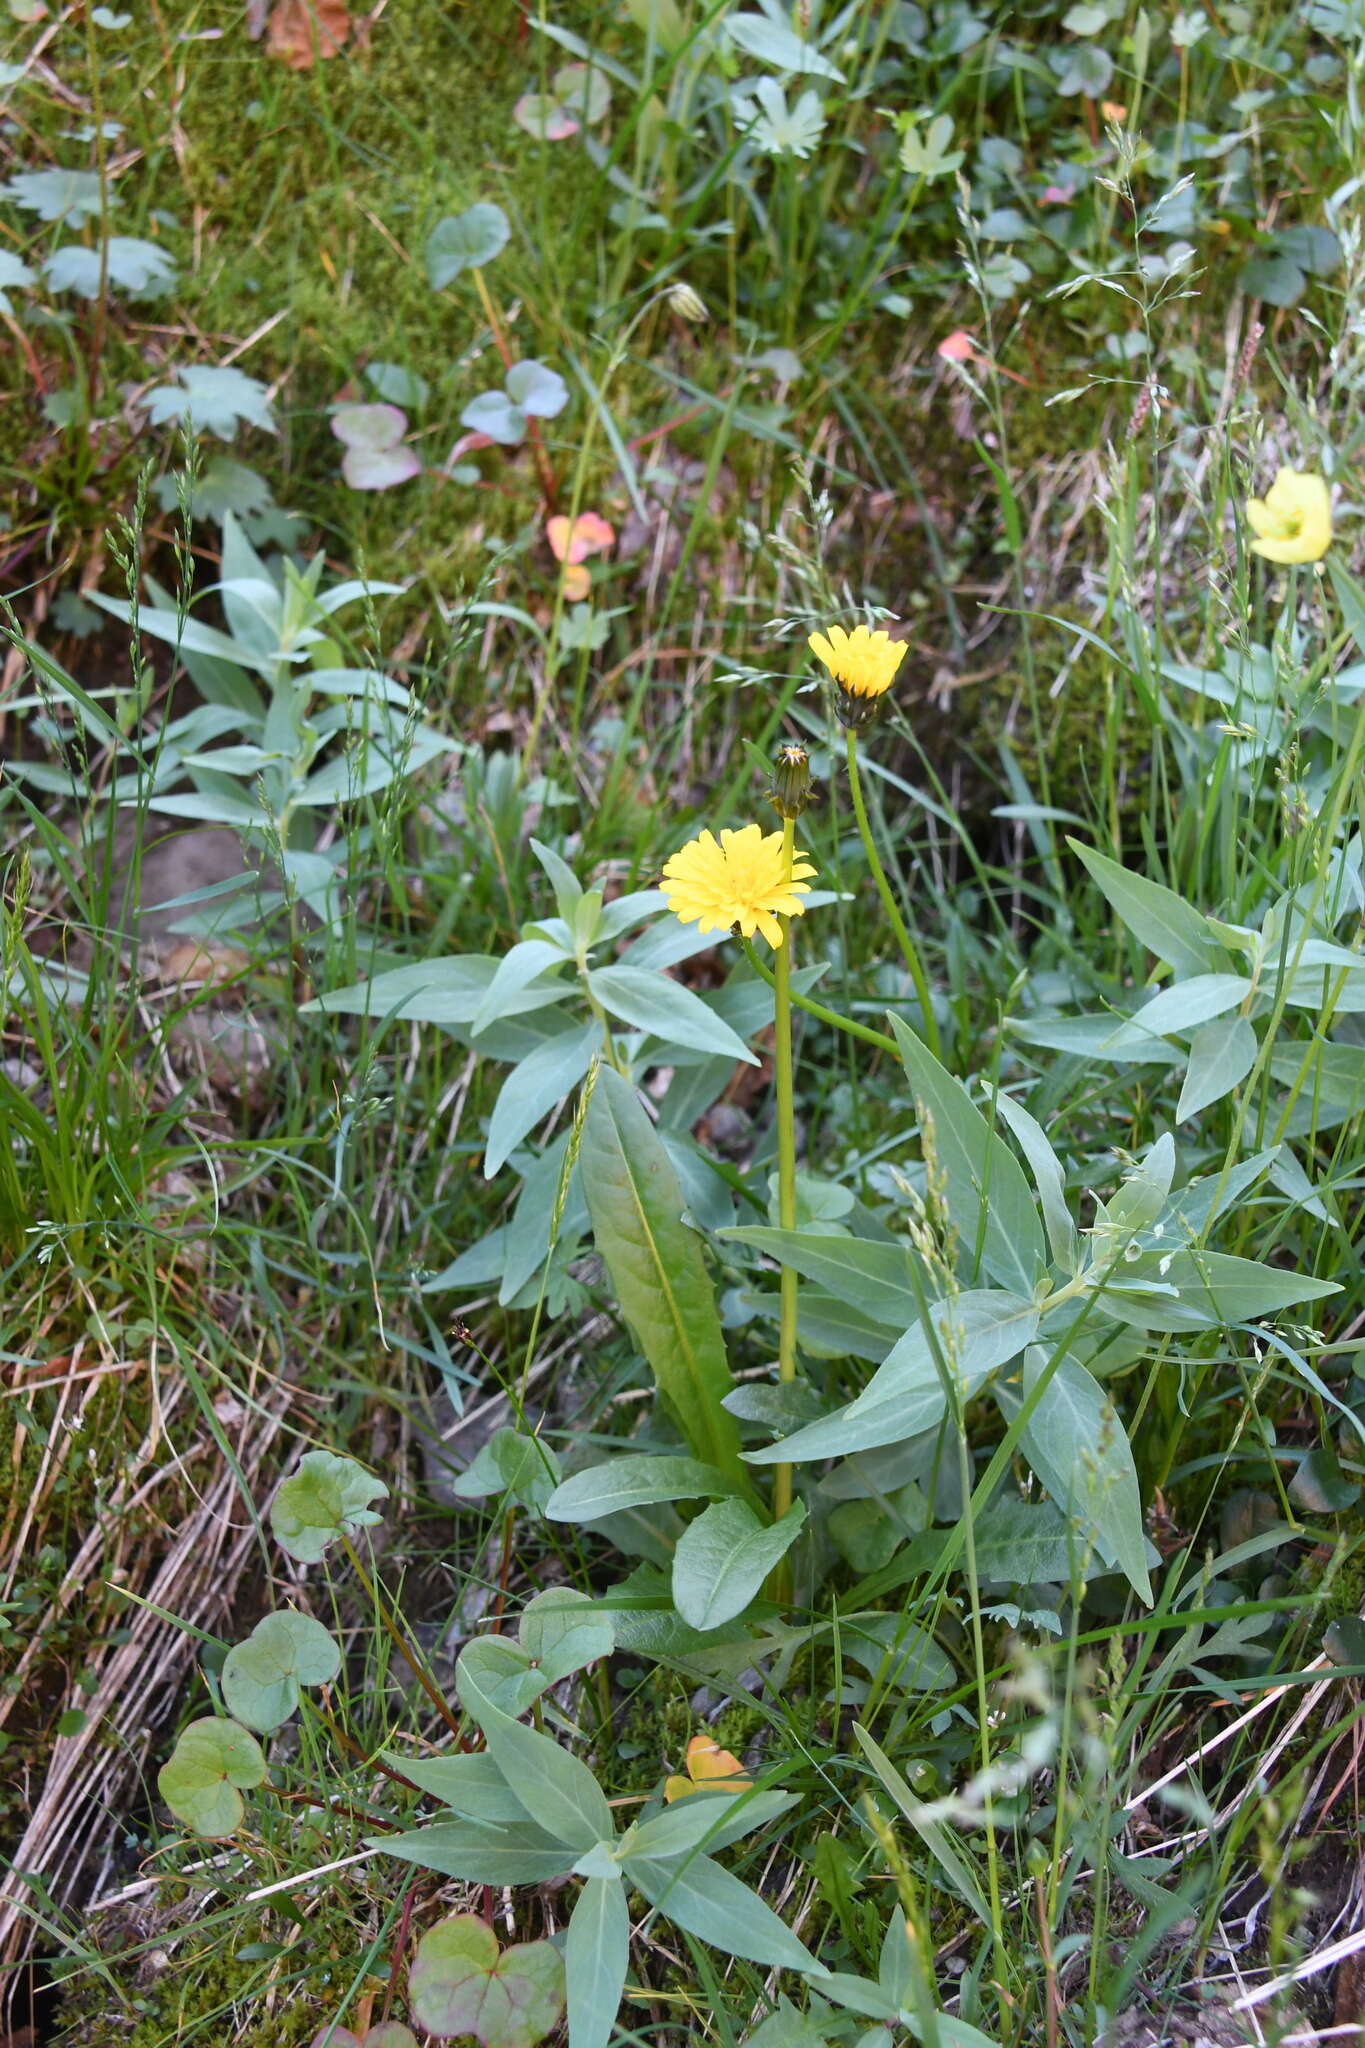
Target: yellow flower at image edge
1293,522
738,879
862,662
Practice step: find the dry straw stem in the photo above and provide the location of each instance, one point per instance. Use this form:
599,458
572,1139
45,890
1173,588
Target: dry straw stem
137,1682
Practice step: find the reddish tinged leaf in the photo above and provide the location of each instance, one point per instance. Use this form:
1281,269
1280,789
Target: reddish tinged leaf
958,347
303,31
573,540
461,1983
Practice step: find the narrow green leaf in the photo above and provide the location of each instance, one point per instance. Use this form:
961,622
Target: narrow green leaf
1076,1444
704,1899
936,1835
708,1820
596,1958
560,1794
1158,919
1192,1002
869,1276
633,1482
1223,1052
533,1087
478,1853
470,1784
667,1010
976,1334
1048,1177
1198,1290
987,1195
657,1268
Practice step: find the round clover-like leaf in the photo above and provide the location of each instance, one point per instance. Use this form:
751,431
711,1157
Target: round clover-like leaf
375,458
584,92
335,2037
370,426
465,241
537,389
326,1498
202,1781
379,469
494,414
399,385
461,1983
262,1676
543,117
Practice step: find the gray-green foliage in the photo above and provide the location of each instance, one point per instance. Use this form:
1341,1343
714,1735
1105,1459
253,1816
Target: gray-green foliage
527,1810
592,983
325,1499
286,733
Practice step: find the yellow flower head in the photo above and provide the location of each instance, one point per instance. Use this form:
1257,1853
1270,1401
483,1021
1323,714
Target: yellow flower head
1293,522
738,879
862,662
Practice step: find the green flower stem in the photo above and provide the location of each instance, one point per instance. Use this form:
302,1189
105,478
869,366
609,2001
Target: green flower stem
903,938
601,1019
814,1009
783,1073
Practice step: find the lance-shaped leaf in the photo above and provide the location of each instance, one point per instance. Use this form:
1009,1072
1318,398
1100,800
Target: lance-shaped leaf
636,1204
986,1193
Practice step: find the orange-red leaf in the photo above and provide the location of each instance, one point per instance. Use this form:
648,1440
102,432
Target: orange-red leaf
573,540
303,31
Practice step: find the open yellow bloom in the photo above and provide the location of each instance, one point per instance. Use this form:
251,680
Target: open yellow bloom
738,879
1293,522
862,662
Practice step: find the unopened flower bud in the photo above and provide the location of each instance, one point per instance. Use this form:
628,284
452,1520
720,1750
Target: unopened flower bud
687,304
791,779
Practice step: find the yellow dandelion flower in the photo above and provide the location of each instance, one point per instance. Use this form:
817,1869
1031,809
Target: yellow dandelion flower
1293,522
738,879
862,662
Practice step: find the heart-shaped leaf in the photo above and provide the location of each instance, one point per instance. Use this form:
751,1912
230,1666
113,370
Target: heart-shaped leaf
584,92
537,389
203,1779
462,1983
493,413
465,241
375,457
544,117
262,1676
397,384
326,1498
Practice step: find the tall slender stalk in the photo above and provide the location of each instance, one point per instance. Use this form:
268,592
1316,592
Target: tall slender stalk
784,1076
909,952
